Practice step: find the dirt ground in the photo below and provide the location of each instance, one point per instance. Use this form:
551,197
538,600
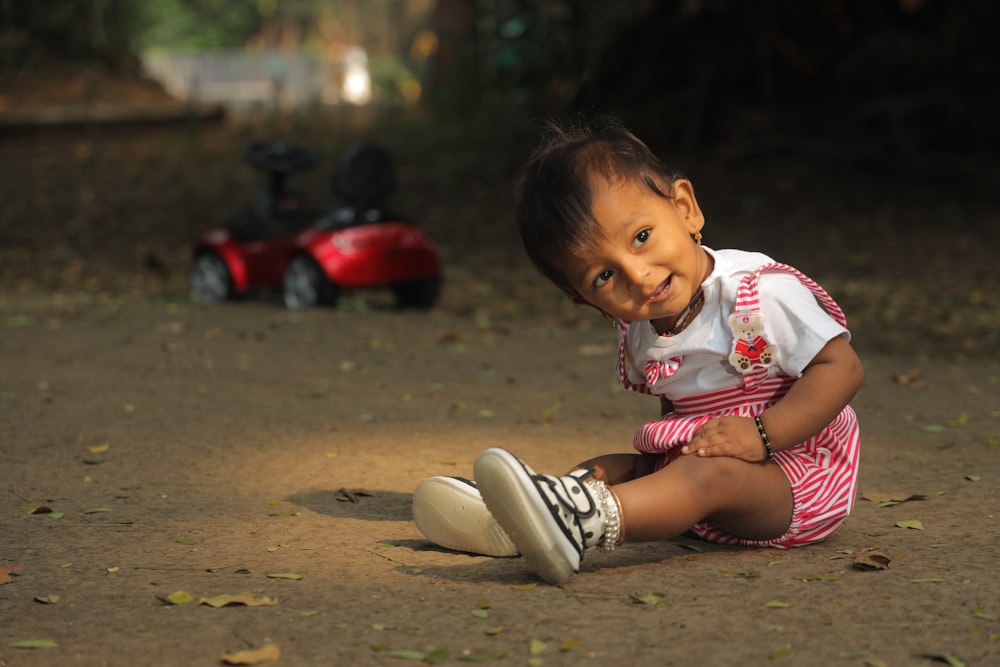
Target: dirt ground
150,445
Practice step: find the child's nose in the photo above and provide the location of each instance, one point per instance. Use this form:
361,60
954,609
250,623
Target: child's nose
635,272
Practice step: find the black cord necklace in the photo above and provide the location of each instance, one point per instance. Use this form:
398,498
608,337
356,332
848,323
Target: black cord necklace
688,314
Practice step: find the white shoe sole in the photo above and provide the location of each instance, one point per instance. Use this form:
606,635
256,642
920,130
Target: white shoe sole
510,495
451,513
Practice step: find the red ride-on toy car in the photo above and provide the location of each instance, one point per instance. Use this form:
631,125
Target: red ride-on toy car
281,242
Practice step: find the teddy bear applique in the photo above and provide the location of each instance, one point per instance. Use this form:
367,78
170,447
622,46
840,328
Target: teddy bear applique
750,348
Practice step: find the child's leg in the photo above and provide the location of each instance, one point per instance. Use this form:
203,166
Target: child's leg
619,468
450,512
748,500
552,520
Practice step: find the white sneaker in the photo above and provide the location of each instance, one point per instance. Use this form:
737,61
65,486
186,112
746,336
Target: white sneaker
450,512
550,519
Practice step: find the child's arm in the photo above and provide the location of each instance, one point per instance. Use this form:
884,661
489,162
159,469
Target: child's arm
826,386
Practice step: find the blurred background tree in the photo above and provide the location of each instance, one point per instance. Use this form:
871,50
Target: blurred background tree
905,78
35,36
861,133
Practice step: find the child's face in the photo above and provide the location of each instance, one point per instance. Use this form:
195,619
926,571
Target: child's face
644,265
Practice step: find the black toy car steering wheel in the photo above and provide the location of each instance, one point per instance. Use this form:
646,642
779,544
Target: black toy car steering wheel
278,159
278,156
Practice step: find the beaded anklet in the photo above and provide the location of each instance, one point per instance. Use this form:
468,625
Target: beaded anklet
607,501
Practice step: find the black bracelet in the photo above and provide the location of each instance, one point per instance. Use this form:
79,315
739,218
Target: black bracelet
768,452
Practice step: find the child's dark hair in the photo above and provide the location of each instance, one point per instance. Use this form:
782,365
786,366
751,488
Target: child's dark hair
553,192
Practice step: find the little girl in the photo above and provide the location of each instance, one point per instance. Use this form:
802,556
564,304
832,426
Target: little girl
751,360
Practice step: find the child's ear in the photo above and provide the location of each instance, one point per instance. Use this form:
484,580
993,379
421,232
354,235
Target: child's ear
687,204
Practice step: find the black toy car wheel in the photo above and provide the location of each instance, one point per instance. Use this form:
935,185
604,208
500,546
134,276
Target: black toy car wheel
306,286
422,293
210,279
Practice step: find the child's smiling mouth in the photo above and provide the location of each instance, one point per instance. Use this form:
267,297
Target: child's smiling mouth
660,292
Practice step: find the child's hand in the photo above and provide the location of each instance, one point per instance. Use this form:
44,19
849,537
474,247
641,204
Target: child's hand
727,436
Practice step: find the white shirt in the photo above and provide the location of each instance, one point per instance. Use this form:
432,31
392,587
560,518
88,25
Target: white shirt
794,322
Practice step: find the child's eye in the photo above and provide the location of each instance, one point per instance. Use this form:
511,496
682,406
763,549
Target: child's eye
641,238
602,278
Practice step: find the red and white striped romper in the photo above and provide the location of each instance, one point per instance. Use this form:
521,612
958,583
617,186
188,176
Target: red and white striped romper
823,470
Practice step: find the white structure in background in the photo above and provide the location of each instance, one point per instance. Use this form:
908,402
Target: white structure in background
356,87
242,80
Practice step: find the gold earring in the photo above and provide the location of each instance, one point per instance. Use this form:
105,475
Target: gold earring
697,237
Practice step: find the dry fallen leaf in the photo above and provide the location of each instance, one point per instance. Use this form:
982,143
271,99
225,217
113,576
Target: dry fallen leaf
353,495
887,499
245,599
871,559
34,643
6,571
961,420
945,658
653,598
178,597
569,644
254,656
913,379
